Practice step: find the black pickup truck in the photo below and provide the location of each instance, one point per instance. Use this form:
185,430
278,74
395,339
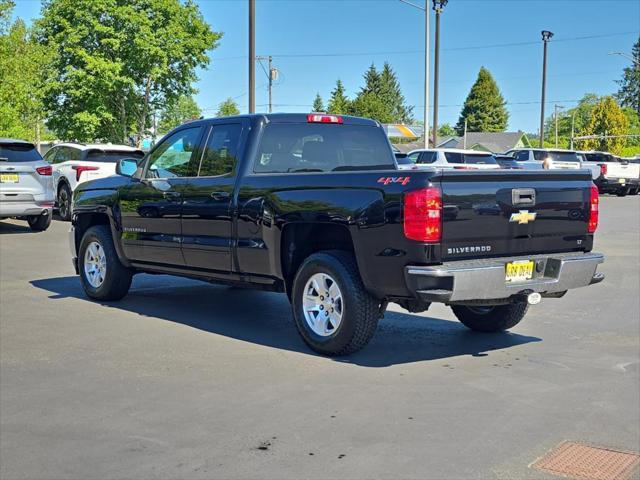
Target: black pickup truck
313,206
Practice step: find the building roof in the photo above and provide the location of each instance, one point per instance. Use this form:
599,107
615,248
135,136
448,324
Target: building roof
98,146
452,150
489,141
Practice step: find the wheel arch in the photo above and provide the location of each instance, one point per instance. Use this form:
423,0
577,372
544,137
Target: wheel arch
84,220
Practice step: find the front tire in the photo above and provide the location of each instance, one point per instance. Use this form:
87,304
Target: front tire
39,223
495,318
102,275
64,202
333,312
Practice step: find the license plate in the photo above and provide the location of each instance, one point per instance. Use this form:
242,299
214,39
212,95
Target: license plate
622,180
519,271
9,177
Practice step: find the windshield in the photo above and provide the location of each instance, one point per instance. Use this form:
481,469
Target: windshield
19,152
482,159
564,156
112,156
315,147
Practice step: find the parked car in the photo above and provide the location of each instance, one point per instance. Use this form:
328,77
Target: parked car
616,176
26,185
312,205
507,162
74,163
534,158
454,158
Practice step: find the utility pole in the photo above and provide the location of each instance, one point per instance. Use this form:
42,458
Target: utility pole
252,55
573,125
272,74
426,68
555,117
438,6
464,138
546,36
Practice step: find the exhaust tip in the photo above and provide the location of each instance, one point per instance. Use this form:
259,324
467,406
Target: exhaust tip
534,298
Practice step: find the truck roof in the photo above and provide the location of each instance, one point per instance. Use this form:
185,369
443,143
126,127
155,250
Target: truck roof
296,118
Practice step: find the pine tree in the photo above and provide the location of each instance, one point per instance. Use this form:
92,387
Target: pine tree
228,108
318,106
338,102
484,109
629,93
372,83
392,97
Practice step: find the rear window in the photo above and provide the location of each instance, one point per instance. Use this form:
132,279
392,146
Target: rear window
312,147
564,156
19,152
453,157
112,156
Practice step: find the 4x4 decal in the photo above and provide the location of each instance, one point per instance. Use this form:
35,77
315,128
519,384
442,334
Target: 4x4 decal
388,180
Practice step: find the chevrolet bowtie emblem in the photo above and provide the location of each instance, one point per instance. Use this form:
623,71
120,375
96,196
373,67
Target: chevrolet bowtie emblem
523,217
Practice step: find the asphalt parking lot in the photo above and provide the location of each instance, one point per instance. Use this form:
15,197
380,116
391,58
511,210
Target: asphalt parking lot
183,379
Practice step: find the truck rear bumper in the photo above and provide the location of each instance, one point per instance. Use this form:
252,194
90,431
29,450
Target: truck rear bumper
484,279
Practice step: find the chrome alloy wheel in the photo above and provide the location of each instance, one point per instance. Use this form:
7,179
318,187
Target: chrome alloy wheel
322,304
95,264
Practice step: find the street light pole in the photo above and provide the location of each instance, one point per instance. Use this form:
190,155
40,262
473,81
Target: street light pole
573,126
555,117
426,69
635,61
546,36
252,55
438,6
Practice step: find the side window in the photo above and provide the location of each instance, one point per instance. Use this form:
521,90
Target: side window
62,155
221,151
453,157
428,157
413,157
51,155
522,155
75,154
173,156
539,155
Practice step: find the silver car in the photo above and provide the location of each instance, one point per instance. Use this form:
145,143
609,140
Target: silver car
26,184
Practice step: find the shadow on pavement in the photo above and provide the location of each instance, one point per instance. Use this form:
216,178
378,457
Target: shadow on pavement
265,319
8,228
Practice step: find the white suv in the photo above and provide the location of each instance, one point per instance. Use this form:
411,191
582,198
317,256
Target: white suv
451,158
74,163
26,188
534,158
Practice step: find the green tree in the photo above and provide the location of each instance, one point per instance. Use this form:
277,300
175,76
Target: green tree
6,7
318,106
338,102
391,95
370,105
177,112
446,130
629,93
228,108
607,118
634,126
484,109
25,68
372,82
118,61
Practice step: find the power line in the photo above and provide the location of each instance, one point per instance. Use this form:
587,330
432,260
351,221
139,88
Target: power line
413,52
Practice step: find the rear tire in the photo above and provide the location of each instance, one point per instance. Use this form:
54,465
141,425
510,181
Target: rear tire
491,319
39,223
623,192
64,202
358,310
102,275
634,191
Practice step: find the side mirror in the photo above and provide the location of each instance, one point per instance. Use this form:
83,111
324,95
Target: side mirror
126,167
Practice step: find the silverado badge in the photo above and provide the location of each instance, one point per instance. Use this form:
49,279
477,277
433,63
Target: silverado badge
523,217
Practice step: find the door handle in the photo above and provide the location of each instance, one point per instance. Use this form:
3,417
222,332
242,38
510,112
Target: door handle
220,195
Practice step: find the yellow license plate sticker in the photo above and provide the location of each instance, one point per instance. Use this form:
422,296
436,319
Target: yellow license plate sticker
9,177
519,271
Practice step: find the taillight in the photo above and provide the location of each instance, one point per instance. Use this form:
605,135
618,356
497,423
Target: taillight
593,210
46,171
83,168
423,215
603,169
320,118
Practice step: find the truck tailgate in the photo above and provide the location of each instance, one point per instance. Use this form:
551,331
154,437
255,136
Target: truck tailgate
514,213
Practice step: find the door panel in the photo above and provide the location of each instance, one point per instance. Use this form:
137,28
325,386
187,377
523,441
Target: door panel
151,208
207,218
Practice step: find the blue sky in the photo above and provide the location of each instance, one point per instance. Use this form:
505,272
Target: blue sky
351,34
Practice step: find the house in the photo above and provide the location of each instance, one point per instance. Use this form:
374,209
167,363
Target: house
496,142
